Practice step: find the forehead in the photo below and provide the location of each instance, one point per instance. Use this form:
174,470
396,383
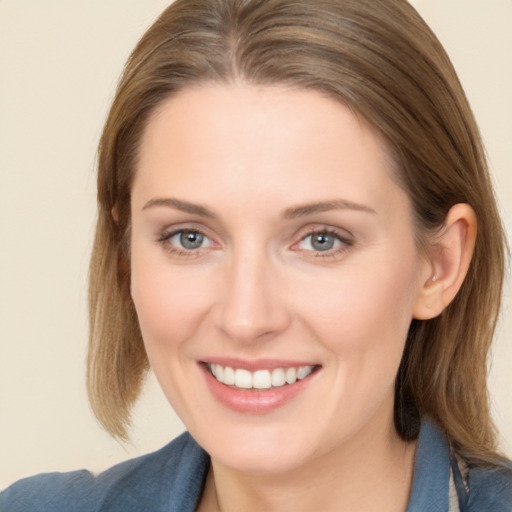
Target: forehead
244,139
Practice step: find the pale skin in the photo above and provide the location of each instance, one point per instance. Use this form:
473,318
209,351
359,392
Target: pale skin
306,251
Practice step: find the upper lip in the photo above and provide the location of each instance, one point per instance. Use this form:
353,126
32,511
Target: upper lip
257,364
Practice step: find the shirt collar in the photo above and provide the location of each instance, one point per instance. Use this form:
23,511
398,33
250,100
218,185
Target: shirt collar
430,488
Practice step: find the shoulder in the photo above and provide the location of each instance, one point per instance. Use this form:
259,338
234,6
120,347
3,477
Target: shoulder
152,482
486,489
50,491
491,488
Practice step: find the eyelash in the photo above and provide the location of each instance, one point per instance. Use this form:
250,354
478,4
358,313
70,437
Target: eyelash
166,237
345,243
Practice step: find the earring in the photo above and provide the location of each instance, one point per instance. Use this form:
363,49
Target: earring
434,278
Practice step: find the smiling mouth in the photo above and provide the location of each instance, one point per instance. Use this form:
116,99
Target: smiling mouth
259,379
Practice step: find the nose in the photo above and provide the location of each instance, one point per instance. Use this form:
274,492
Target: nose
251,307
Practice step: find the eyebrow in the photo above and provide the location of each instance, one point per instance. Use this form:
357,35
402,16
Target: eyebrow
289,213
325,206
178,204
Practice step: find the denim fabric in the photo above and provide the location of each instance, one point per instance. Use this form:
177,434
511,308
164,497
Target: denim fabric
171,480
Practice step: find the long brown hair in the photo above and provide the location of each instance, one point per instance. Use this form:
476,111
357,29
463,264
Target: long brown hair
379,58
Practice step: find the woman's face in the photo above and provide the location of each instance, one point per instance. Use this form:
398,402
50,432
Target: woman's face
271,246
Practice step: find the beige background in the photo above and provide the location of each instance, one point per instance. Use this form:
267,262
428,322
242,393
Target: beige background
59,61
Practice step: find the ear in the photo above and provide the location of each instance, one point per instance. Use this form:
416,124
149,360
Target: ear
448,262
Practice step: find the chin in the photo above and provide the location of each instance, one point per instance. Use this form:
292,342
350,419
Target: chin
261,460
262,449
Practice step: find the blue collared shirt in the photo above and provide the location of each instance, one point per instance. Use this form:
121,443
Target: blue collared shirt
172,479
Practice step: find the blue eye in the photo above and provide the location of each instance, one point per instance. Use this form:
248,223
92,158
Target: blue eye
189,240
322,241
185,240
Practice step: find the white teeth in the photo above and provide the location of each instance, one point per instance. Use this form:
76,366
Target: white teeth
229,376
291,375
278,377
260,379
303,372
243,379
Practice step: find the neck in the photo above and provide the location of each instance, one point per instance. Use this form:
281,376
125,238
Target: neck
373,472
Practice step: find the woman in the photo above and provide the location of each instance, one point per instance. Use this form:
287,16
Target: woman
297,232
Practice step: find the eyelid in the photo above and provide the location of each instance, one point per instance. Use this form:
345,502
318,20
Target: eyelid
165,235
167,231
181,232
341,233
346,238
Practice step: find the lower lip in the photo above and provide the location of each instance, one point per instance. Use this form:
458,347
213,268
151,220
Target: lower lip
254,401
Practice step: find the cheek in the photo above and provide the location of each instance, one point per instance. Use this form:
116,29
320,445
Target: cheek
169,302
364,310
169,306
